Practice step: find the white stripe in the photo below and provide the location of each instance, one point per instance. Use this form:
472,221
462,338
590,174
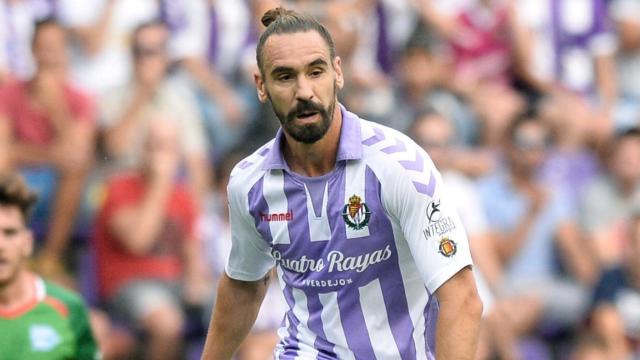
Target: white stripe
415,291
332,325
306,338
319,229
375,318
354,185
273,191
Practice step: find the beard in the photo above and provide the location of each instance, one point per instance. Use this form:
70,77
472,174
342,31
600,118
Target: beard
307,133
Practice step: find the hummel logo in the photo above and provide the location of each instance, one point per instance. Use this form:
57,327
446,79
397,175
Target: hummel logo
288,216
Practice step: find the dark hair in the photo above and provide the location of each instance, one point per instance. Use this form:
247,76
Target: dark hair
43,23
283,21
14,192
619,137
424,113
140,28
520,121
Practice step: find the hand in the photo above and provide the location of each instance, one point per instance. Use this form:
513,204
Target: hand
233,109
197,291
537,198
164,163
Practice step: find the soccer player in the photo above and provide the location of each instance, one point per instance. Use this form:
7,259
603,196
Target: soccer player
38,320
372,260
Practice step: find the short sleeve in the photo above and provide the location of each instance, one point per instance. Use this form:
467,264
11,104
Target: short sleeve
250,258
431,227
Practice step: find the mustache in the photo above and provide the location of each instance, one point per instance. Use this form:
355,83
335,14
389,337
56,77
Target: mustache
305,106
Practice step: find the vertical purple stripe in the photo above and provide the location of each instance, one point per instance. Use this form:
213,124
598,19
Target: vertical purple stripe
393,291
315,325
258,204
290,343
430,325
355,329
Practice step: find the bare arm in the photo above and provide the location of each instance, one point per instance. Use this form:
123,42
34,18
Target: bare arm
459,317
577,253
92,37
628,35
137,226
215,86
606,79
236,309
118,137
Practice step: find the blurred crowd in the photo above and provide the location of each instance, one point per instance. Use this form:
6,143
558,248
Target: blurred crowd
128,116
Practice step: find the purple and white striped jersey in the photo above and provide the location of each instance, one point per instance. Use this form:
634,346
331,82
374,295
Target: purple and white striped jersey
358,251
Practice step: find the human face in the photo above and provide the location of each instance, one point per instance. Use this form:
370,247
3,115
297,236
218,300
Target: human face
435,135
625,162
16,244
300,80
50,47
528,147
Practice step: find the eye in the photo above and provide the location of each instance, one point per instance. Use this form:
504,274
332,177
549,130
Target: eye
317,72
284,77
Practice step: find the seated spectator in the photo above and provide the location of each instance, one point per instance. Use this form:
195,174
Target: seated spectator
616,317
148,256
47,132
571,163
101,32
37,319
152,96
531,227
626,18
17,19
608,200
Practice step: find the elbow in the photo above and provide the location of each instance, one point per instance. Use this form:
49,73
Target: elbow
472,304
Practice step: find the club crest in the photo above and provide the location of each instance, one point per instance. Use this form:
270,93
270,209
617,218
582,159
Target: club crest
447,247
356,214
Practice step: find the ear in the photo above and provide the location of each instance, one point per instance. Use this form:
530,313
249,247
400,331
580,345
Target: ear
337,67
260,86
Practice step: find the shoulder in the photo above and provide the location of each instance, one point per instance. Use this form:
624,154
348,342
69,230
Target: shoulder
65,301
394,157
249,170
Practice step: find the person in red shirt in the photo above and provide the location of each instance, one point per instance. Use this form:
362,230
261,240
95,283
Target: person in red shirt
149,261
47,133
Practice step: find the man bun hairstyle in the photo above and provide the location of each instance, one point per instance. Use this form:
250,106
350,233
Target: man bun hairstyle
284,21
15,192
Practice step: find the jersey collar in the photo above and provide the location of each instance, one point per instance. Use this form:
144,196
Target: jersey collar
349,146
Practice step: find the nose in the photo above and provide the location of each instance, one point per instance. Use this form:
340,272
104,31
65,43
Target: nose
304,90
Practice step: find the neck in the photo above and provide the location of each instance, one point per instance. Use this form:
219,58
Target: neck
17,292
318,158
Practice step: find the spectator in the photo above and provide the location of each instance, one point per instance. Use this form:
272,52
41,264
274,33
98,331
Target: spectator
152,96
530,224
47,128
478,34
626,17
148,255
566,50
609,199
215,48
616,317
17,19
37,319
571,163
102,30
